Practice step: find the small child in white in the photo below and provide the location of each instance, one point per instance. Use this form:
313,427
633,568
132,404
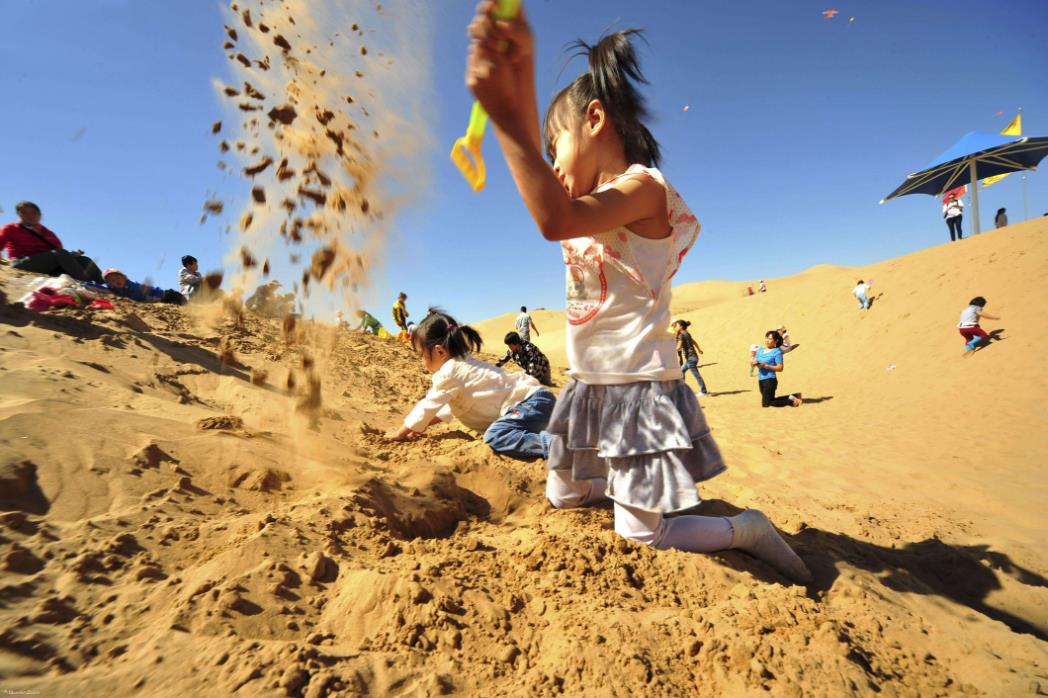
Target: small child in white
510,409
189,278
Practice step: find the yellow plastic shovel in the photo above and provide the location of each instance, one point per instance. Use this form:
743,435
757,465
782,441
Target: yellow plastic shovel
466,152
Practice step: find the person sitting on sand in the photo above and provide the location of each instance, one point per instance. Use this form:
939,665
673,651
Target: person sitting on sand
32,247
769,362
763,287
189,278
861,293
116,282
528,356
510,409
787,345
969,325
265,301
688,352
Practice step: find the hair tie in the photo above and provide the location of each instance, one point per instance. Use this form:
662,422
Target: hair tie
452,327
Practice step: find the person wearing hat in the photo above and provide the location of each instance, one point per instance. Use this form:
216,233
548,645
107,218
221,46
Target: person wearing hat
116,282
32,247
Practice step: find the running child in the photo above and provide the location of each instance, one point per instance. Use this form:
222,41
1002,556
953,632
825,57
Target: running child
626,426
969,325
769,362
510,409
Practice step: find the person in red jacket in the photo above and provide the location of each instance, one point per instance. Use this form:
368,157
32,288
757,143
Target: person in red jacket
32,247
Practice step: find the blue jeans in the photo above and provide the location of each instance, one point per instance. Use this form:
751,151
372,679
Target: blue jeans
864,302
693,366
517,432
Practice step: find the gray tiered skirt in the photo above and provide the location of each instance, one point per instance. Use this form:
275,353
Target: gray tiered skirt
650,440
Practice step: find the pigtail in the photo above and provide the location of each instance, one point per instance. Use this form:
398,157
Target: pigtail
615,70
613,73
440,329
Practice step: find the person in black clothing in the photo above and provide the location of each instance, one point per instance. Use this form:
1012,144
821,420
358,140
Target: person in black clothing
528,356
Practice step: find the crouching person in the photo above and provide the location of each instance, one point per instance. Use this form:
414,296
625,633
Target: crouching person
510,409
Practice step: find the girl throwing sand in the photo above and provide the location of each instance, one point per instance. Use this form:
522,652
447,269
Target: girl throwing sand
626,426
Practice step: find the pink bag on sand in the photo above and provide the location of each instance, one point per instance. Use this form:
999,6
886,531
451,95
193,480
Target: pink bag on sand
101,304
47,298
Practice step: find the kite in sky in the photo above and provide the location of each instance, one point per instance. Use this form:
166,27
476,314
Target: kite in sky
686,107
1000,113
829,14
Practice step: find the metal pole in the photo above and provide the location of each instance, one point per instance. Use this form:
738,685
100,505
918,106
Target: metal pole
975,197
1026,201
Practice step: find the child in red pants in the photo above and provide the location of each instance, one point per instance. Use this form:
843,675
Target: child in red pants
969,325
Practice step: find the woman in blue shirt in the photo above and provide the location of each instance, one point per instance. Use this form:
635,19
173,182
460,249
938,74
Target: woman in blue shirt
769,361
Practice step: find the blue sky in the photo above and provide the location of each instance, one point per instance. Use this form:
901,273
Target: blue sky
797,126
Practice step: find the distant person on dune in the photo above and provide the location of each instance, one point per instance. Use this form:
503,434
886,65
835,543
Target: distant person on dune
769,362
32,247
525,325
626,427
528,356
861,293
787,345
953,211
400,312
688,353
189,278
265,301
763,287
1001,219
969,325
510,409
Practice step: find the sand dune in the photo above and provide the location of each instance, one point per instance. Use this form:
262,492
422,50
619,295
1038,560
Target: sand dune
170,526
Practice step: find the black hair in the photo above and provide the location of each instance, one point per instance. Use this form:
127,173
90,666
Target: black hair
523,308
861,281
613,70
188,259
1000,211
512,338
402,295
683,323
978,300
774,334
26,204
439,329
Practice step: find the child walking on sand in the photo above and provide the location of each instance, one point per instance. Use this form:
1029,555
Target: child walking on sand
688,354
510,409
969,325
769,362
626,426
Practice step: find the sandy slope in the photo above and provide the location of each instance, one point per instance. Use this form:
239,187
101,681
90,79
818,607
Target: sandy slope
174,527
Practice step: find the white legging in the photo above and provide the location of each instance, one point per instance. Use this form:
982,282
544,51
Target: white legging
697,534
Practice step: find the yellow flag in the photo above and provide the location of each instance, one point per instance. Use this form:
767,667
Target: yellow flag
1013,129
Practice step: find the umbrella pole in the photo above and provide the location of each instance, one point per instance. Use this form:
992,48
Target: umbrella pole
975,197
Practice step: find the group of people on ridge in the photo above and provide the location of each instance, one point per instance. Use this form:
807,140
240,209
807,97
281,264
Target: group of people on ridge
32,247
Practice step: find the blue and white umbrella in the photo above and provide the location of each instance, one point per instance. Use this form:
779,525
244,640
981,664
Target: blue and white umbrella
974,157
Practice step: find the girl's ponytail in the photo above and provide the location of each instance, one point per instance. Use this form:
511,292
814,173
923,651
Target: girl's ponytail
440,329
614,68
613,72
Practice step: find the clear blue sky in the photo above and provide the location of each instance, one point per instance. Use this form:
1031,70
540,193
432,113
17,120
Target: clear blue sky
797,126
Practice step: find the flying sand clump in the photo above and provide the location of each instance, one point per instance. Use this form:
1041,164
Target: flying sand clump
316,164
